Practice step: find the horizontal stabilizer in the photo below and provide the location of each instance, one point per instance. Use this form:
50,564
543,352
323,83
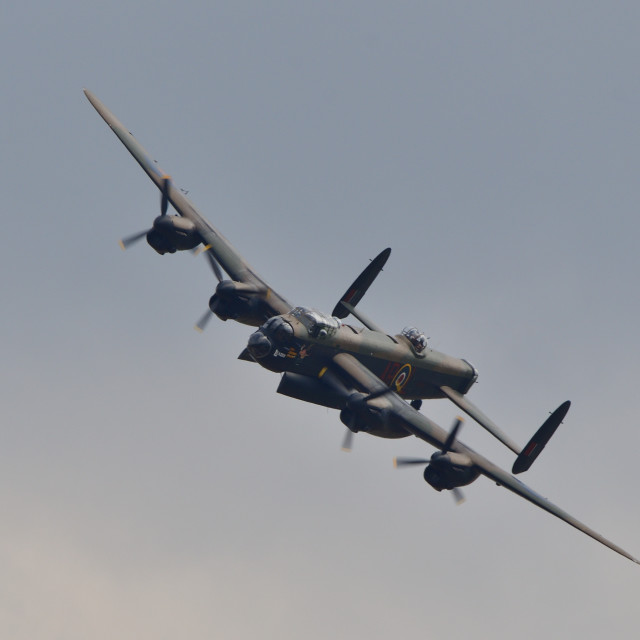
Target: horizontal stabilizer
366,321
542,436
471,410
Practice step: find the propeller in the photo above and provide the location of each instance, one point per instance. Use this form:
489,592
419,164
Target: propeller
456,492
347,442
215,267
452,435
204,320
213,263
355,404
126,242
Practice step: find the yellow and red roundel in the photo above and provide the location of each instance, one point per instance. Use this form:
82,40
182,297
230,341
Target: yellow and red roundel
401,378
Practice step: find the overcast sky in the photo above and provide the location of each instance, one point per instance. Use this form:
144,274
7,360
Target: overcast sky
152,486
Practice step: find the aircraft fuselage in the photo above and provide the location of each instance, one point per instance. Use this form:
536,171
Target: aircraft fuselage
294,343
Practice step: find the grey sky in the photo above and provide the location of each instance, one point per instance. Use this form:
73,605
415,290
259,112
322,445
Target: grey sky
151,485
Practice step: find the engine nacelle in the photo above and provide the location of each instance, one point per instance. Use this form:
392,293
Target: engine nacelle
173,233
238,301
450,470
227,308
356,421
361,415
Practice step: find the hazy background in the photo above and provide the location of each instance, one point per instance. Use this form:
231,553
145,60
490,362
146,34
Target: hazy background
151,485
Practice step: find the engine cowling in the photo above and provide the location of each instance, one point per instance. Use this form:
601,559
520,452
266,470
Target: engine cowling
172,233
450,470
361,415
238,301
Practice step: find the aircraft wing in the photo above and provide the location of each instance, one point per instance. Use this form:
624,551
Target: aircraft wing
230,260
402,414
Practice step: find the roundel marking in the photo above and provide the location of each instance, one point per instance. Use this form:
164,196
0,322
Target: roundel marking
401,378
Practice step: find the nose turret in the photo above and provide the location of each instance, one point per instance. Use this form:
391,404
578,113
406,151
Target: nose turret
259,345
274,333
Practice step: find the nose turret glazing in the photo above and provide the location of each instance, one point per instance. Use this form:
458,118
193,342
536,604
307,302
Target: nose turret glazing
275,332
259,345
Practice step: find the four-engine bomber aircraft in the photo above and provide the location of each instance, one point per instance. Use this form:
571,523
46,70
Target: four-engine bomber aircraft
376,380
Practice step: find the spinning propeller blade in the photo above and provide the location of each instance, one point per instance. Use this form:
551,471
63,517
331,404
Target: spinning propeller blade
125,243
348,441
452,435
204,321
215,267
213,263
406,462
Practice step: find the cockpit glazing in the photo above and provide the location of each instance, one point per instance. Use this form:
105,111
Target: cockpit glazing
317,324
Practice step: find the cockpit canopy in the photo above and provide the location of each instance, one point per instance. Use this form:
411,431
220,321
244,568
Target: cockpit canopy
317,324
416,338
